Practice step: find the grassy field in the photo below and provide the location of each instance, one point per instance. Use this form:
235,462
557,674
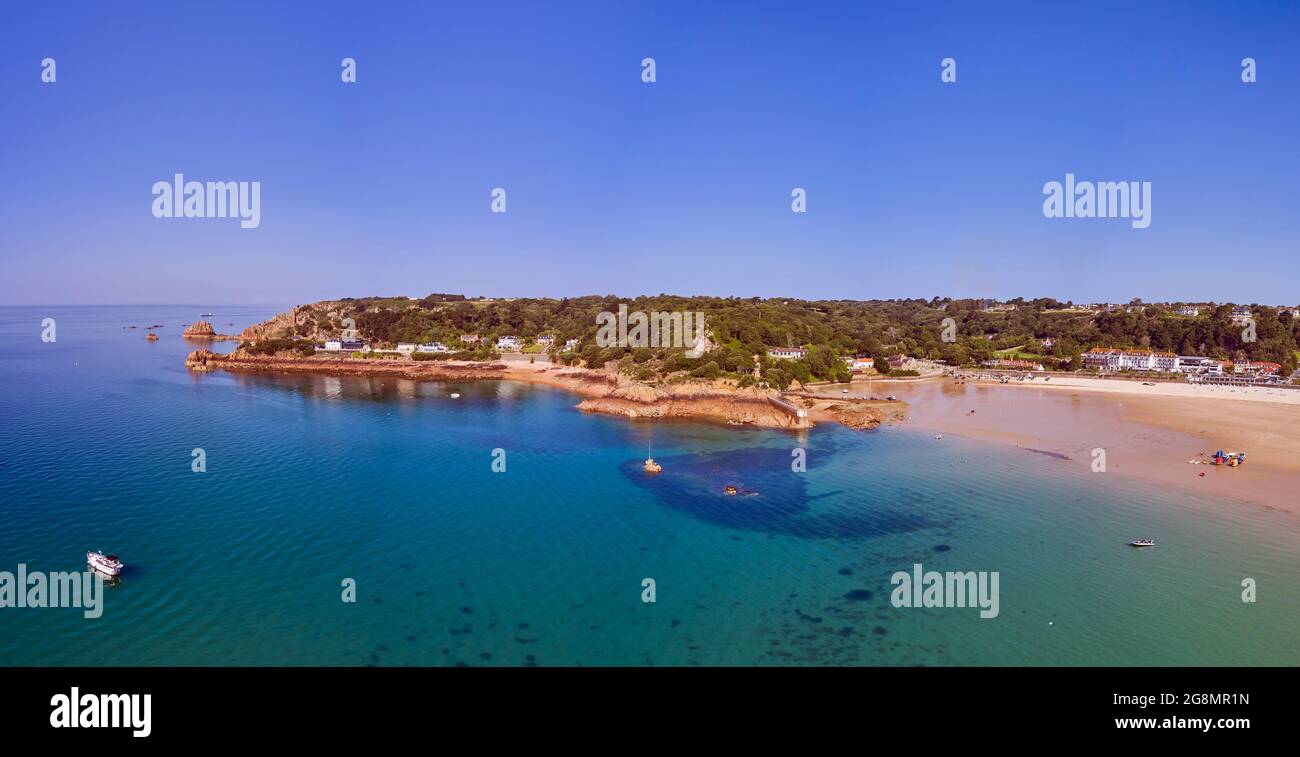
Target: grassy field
1014,353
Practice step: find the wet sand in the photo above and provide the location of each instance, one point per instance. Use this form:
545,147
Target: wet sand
1146,437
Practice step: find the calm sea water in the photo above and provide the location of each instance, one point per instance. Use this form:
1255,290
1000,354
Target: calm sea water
311,480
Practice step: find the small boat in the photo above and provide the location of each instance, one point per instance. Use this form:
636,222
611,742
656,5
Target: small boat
731,491
103,563
938,436
152,337
205,315
455,395
650,465
1142,543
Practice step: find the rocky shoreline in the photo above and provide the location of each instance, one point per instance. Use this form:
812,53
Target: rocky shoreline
602,392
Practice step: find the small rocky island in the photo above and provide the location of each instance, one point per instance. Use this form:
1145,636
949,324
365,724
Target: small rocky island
204,330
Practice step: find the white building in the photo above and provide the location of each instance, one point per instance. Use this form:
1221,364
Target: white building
1241,314
545,340
431,347
1108,359
1102,359
786,353
1137,360
405,348
1197,364
570,345
1165,361
508,344
1190,310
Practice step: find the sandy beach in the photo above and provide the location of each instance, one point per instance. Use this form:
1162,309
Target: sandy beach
1179,389
1147,432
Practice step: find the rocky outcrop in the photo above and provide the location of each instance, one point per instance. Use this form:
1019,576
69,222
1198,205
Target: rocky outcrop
200,360
739,411
202,330
282,326
199,330
726,404
864,415
317,321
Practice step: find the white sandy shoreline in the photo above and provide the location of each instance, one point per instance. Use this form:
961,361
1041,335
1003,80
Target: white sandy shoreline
1160,389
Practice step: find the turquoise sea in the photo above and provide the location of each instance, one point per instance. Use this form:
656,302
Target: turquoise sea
312,480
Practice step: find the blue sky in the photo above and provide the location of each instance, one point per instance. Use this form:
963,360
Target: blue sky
915,187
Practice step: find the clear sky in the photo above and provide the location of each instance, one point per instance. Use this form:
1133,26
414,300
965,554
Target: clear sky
915,187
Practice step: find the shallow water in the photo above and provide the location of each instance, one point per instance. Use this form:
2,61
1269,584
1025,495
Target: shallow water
312,480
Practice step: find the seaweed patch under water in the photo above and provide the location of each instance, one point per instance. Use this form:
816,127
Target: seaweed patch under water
694,485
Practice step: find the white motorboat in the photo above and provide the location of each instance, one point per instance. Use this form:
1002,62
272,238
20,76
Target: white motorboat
103,563
1142,543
